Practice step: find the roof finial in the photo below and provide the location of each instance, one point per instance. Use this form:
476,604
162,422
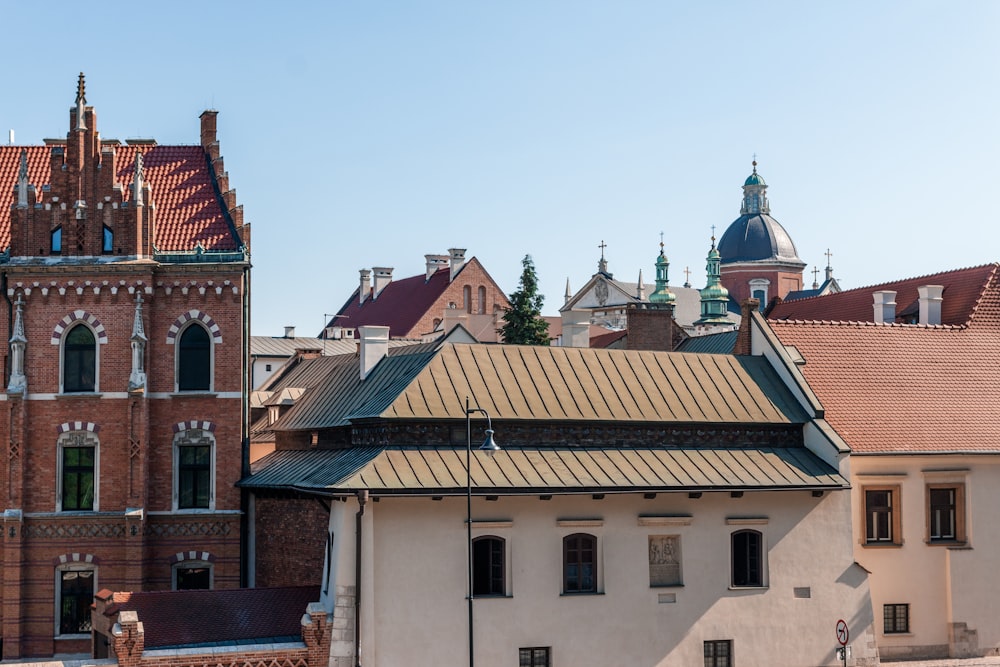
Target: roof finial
713,237
602,266
755,163
602,245
687,276
815,278
138,181
81,103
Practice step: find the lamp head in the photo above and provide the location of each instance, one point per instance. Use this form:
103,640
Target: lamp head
489,445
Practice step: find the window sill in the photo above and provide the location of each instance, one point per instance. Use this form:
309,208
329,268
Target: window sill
78,394
960,544
491,597
193,510
897,634
882,545
748,588
575,594
198,393
659,586
73,637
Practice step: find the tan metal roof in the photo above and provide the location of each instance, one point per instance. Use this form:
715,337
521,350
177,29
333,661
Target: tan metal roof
556,383
424,471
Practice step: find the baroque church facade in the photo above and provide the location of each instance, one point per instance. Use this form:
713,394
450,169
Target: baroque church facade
125,277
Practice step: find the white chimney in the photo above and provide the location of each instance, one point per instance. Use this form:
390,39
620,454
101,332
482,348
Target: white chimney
576,328
374,346
885,306
434,262
289,332
11,142
457,261
366,285
930,303
383,276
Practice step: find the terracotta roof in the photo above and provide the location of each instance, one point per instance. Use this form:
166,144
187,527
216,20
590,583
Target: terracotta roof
188,212
606,338
420,471
963,289
906,388
219,617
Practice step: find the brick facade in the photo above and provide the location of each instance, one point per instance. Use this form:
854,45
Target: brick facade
289,540
484,298
117,258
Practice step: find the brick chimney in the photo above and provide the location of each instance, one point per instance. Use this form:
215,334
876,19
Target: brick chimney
209,123
651,327
885,306
383,276
744,339
930,303
366,285
457,256
373,347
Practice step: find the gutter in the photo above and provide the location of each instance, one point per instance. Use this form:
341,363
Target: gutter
362,499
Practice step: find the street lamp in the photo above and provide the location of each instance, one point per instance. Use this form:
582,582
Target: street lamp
490,447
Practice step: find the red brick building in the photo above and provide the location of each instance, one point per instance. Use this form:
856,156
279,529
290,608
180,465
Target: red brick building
125,286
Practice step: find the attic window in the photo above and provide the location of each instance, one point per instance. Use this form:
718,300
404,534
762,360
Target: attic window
108,240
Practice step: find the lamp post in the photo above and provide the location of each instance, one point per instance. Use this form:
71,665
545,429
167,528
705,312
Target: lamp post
490,447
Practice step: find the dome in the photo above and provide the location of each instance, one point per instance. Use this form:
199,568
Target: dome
754,179
757,237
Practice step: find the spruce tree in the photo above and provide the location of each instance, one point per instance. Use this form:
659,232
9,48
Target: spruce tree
523,323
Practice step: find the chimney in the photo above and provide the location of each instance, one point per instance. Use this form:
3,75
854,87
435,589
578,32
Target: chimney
434,262
289,332
457,261
383,276
576,328
744,339
208,127
366,285
373,347
11,141
885,306
930,304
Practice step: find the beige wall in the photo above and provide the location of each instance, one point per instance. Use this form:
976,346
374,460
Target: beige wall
943,584
414,581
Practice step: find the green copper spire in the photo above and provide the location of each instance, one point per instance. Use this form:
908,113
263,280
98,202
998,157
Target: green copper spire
662,293
715,297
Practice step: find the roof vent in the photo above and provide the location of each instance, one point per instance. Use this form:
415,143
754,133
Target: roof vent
289,332
366,285
457,256
930,304
383,276
885,306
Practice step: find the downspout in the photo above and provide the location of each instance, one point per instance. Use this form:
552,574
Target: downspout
10,321
362,499
245,527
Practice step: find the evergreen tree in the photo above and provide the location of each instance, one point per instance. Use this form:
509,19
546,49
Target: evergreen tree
523,323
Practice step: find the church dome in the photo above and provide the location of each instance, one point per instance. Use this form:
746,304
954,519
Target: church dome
755,236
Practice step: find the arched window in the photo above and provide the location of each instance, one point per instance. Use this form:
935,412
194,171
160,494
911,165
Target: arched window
55,246
194,463
748,558
108,240
488,566
467,295
579,563
482,300
80,360
194,359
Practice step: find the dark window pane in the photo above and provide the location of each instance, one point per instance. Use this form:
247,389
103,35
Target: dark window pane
76,593
747,559
579,567
108,240
79,360
942,514
878,513
194,365
56,241
78,479
488,566
194,476
191,578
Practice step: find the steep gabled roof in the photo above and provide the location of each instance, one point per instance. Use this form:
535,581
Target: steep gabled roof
906,388
188,210
963,289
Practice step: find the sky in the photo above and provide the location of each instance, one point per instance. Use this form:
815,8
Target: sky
361,134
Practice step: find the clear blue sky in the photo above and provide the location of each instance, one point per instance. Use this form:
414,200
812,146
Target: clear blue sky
362,134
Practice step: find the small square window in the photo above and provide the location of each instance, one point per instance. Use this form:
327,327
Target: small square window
193,575
895,618
535,656
719,653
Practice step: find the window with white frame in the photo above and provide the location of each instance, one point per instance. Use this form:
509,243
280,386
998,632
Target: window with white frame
194,358
759,289
194,470
75,588
192,575
79,360
77,471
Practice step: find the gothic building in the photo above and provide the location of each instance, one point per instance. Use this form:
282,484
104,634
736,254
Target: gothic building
125,279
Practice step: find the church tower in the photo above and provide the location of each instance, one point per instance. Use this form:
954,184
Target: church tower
758,258
714,297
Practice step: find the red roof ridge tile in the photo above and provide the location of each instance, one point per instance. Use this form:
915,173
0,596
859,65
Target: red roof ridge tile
856,323
990,279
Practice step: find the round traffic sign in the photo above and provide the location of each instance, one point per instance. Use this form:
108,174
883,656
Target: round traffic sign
842,632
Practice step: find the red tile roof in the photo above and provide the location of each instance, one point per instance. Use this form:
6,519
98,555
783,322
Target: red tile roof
188,211
907,388
962,291
399,305
182,618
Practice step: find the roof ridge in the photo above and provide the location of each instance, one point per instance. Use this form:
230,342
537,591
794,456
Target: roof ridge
982,292
861,323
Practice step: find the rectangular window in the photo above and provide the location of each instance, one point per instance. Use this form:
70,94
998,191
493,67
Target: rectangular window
882,519
194,577
946,512
76,594
719,653
748,558
77,479
194,476
580,563
488,566
536,656
895,618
